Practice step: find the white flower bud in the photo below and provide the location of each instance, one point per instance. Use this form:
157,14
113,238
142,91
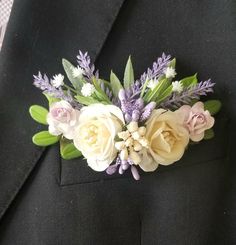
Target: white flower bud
142,131
124,154
152,84
87,89
170,72
129,142
57,81
119,145
137,146
144,142
136,135
132,126
124,135
177,87
77,71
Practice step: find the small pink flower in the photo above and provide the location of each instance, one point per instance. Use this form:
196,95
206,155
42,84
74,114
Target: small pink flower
197,120
62,119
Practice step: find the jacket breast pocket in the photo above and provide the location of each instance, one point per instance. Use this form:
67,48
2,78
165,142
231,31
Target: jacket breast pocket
77,171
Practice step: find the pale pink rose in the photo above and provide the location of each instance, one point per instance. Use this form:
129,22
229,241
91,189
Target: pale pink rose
197,120
62,119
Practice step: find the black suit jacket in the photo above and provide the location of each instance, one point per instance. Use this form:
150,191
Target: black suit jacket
45,200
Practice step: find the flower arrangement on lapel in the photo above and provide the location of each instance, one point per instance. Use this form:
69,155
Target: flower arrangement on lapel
118,126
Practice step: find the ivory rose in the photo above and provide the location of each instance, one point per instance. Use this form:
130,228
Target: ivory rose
62,118
95,134
167,138
197,120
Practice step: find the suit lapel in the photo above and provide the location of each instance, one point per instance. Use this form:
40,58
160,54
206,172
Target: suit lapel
39,34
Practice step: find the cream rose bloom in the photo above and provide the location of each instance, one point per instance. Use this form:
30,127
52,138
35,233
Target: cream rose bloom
62,119
197,120
167,138
95,134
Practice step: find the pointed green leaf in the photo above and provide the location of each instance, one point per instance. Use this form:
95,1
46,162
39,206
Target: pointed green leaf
129,74
44,138
213,106
107,84
115,84
101,95
172,63
144,87
189,81
157,91
39,114
209,134
77,82
51,99
164,95
86,100
69,151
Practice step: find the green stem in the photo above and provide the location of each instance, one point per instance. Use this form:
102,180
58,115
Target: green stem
71,89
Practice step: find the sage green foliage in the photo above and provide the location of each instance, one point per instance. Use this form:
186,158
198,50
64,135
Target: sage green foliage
162,90
68,150
100,94
106,83
77,82
39,114
189,81
165,94
172,63
44,138
129,74
209,134
115,84
144,88
213,106
86,100
153,95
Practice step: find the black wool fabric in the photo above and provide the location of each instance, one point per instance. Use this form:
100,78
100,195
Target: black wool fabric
45,200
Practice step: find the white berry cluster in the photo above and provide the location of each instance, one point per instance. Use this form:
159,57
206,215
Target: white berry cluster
133,141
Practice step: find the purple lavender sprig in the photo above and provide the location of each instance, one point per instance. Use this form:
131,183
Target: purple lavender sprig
122,166
188,94
84,62
43,83
133,108
157,69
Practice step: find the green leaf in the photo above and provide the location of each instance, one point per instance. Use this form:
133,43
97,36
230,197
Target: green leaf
101,95
51,99
144,87
157,91
39,114
77,82
129,74
106,83
165,94
44,138
189,81
209,134
172,63
86,100
213,106
69,151
115,84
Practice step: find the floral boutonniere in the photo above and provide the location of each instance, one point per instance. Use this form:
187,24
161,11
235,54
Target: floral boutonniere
133,124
